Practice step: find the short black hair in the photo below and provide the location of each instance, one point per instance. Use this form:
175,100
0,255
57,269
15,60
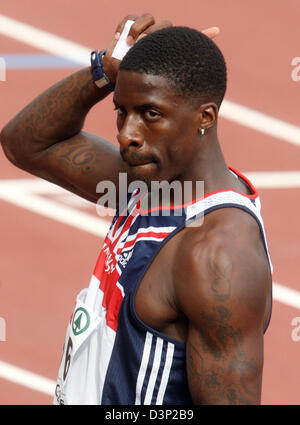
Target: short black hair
190,60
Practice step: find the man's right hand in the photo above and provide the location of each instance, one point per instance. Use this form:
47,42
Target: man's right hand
142,26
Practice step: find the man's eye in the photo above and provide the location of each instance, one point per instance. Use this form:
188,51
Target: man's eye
152,115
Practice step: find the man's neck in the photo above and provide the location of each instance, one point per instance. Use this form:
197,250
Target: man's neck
206,174
209,167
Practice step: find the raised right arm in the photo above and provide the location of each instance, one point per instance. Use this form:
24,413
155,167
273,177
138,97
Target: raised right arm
46,137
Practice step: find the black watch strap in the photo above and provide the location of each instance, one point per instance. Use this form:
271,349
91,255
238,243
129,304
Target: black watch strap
100,78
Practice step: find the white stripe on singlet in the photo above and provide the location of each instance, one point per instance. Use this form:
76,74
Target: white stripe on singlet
165,375
154,371
143,367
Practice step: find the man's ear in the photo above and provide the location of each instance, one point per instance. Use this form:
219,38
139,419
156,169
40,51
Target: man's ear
207,116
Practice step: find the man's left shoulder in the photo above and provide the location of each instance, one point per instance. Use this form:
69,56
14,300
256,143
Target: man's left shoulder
222,261
226,232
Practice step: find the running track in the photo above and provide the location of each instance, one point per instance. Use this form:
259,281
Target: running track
50,239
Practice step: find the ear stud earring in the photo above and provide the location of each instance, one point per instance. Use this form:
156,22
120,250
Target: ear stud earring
202,131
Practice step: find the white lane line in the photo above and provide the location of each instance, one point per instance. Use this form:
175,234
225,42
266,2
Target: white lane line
260,122
260,179
286,295
81,54
44,40
28,379
25,193
274,179
19,196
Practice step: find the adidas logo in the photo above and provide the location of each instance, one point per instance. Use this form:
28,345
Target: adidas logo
124,258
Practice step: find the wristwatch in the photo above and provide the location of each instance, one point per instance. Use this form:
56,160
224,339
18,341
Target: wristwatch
100,78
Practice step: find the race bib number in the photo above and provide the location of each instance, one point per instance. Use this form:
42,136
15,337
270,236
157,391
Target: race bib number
82,323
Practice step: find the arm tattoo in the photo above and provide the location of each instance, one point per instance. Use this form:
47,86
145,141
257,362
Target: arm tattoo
221,283
55,115
212,375
83,157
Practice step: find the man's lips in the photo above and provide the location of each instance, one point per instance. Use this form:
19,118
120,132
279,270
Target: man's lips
139,164
135,161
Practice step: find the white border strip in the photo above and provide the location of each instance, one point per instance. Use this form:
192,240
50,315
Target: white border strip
59,46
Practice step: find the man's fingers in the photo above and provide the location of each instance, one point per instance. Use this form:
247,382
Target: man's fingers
155,27
211,32
121,25
146,25
140,25
118,31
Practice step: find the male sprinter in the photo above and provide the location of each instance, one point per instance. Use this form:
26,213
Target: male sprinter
175,312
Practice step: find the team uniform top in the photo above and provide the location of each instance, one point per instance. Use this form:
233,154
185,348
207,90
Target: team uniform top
110,356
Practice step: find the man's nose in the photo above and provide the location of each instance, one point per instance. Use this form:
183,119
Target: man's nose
130,134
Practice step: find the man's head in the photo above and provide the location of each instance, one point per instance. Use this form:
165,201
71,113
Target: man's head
169,87
190,60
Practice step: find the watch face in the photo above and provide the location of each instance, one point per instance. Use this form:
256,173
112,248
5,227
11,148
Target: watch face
101,83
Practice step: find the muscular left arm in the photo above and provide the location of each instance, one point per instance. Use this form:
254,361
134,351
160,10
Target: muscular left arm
224,298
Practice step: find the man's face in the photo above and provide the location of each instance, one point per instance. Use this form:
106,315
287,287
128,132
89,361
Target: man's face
157,128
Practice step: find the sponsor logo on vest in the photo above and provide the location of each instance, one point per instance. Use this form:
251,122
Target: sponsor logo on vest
124,258
81,321
110,261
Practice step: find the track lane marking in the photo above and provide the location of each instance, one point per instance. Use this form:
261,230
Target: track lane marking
75,52
28,379
23,198
286,295
275,179
258,121
44,40
36,61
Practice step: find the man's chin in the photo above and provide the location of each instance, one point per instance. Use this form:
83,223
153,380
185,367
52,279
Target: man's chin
146,174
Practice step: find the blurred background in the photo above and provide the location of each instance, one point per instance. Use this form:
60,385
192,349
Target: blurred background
50,239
